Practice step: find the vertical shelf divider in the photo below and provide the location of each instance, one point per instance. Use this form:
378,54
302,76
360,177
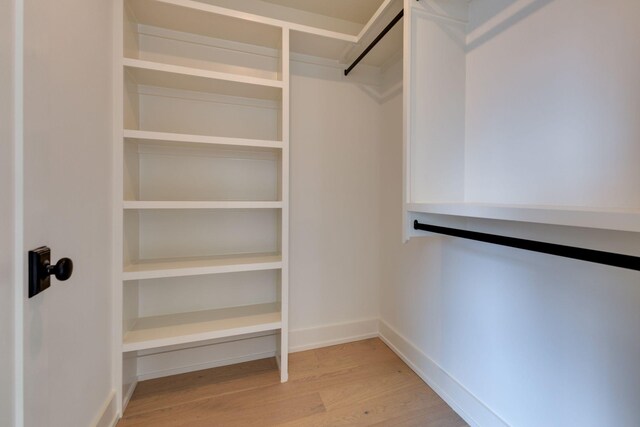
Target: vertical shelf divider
116,213
284,278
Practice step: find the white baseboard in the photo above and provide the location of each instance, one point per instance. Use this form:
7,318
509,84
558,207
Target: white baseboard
182,359
178,360
339,333
128,394
108,414
468,406
208,365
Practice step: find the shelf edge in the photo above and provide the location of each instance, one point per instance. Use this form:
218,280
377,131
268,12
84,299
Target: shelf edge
199,139
164,205
200,271
198,72
232,13
199,337
569,216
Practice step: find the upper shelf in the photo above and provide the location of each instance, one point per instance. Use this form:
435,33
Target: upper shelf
207,20
317,28
187,72
341,16
607,219
184,78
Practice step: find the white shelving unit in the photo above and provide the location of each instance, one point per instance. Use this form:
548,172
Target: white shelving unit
204,160
202,166
473,151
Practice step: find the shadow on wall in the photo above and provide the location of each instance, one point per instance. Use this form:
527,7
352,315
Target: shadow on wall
495,16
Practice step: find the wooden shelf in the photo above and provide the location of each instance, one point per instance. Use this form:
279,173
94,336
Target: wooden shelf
184,328
607,219
142,205
197,266
166,137
149,73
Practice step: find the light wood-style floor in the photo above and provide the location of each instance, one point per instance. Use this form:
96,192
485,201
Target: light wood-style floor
357,384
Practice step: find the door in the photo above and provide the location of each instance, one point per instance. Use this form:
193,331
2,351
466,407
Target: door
66,203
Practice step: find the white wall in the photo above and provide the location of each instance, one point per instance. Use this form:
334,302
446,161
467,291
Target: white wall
552,85
68,146
335,157
531,339
507,336
6,214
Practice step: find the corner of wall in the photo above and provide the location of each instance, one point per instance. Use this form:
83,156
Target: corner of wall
108,414
327,335
461,400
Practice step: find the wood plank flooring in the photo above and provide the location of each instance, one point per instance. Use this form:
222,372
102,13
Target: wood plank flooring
357,384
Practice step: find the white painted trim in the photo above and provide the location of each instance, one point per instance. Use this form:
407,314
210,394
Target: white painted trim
108,414
587,217
475,412
128,394
207,97
407,49
155,205
199,73
261,19
423,13
199,139
151,31
172,348
327,335
285,69
374,23
249,319
116,209
365,30
380,96
367,74
18,212
181,267
203,149
279,362
208,365
303,339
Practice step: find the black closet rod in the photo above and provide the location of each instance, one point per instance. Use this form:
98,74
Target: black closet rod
590,255
375,42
